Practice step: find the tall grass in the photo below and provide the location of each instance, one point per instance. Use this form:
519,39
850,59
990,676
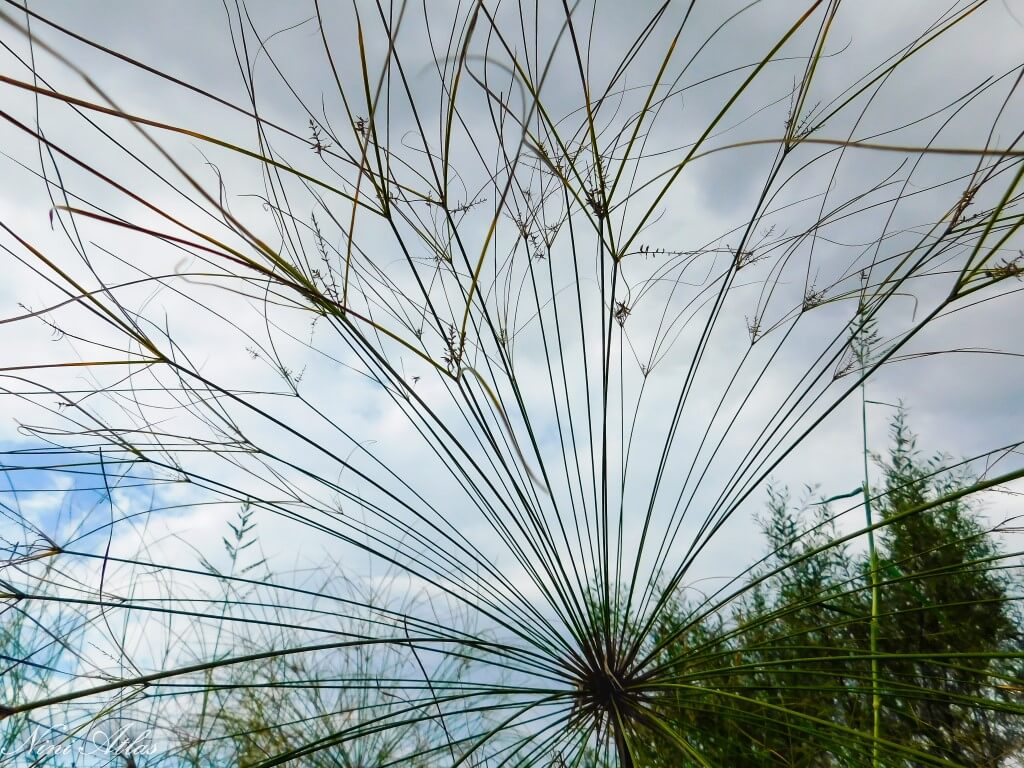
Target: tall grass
521,305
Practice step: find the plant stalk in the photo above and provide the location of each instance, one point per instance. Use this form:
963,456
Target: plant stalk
876,699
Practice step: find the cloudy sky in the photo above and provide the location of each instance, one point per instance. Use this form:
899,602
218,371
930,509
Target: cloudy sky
409,461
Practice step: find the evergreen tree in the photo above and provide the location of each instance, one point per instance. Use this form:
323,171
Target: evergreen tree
945,590
795,651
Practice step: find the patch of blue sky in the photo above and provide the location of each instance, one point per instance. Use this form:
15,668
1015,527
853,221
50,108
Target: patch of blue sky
68,498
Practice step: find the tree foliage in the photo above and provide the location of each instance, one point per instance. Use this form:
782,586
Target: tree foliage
796,649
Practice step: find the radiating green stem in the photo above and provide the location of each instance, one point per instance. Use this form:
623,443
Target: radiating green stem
876,699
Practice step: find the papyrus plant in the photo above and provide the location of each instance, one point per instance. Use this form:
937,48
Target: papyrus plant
522,303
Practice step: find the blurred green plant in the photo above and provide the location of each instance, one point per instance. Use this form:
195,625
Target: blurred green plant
797,650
